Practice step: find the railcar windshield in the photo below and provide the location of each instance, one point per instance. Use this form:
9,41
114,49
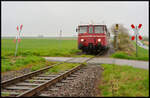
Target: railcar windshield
99,29
90,29
83,29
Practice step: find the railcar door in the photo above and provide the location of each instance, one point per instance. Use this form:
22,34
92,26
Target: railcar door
90,37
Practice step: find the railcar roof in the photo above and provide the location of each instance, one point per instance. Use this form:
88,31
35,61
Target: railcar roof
92,25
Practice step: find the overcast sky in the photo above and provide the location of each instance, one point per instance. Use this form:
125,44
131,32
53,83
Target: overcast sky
48,18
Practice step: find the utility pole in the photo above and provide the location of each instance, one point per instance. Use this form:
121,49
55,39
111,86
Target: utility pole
60,38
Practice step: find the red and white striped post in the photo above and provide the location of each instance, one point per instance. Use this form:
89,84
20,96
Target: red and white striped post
136,31
18,39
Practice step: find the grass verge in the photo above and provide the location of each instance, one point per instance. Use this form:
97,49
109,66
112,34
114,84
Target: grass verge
61,68
143,54
4,94
20,62
127,81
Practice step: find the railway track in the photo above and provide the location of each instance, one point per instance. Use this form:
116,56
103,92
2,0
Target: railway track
61,88
31,84
7,88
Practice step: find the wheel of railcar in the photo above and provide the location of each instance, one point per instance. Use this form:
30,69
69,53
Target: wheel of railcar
86,50
92,51
89,51
83,50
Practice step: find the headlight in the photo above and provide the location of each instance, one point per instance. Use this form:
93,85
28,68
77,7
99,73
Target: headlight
99,40
82,40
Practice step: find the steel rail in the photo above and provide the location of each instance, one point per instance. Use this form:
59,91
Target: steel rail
95,56
39,88
26,76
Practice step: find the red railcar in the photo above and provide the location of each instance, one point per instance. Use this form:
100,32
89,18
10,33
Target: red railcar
93,38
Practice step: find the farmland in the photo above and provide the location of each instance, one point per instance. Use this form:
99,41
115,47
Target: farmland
31,51
40,47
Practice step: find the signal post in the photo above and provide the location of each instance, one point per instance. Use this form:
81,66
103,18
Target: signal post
115,37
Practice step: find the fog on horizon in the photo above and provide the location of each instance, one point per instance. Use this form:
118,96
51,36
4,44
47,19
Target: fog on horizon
48,18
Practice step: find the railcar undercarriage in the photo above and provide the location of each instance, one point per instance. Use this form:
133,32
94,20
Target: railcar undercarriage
92,49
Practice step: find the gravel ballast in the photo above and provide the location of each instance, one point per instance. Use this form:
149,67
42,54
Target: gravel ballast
12,74
81,84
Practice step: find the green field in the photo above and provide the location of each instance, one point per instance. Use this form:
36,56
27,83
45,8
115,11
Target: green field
126,81
40,47
31,51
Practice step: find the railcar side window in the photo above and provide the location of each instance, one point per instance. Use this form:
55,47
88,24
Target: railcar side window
83,29
90,29
99,29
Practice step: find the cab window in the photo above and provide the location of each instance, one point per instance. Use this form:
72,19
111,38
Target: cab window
83,29
90,29
99,29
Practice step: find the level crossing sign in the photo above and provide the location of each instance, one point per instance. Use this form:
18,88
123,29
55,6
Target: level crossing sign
136,35
18,39
136,31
